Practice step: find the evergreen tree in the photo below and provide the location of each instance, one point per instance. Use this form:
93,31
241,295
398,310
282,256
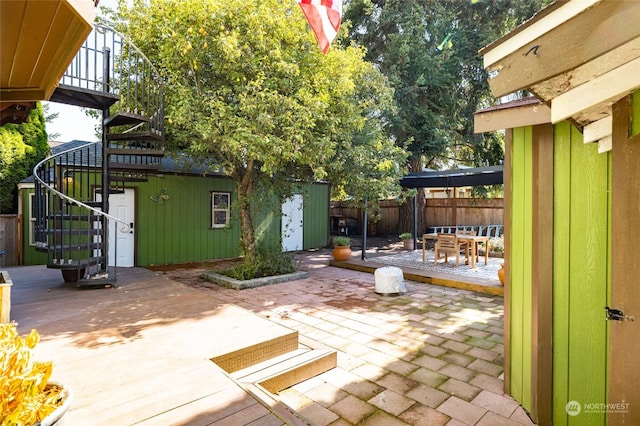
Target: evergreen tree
22,146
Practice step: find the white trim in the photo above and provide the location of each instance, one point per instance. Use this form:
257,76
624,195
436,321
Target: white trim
602,89
536,29
605,144
597,130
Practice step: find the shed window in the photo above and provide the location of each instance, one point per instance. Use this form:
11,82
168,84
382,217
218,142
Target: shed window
220,209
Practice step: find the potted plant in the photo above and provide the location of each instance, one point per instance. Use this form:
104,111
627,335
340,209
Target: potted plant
341,248
407,240
27,397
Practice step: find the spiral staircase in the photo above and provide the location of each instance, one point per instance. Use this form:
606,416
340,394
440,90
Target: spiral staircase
110,75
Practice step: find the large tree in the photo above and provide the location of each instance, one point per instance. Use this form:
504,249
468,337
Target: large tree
428,49
22,146
248,89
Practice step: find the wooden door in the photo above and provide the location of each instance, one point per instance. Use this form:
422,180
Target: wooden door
623,400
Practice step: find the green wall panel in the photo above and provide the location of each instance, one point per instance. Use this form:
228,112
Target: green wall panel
520,265
179,229
580,275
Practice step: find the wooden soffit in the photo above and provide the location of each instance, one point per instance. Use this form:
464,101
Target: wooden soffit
39,39
579,57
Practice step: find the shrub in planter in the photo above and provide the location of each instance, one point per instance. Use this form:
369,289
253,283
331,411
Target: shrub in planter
341,248
407,240
26,396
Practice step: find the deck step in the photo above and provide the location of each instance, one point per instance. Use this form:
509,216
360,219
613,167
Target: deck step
257,352
288,369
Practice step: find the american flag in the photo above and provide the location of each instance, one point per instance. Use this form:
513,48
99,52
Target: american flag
324,19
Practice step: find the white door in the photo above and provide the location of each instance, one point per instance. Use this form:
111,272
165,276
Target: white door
121,206
292,218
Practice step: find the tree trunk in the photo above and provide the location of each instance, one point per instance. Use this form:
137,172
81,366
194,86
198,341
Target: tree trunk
244,183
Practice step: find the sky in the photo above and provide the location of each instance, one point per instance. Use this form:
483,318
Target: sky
72,123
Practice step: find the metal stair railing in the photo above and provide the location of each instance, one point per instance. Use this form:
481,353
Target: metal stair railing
69,226
111,74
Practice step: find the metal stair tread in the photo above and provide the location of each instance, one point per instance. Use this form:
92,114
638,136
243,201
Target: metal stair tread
136,152
132,136
124,118
72,95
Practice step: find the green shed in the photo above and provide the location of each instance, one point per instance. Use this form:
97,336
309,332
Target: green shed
183,214
572,210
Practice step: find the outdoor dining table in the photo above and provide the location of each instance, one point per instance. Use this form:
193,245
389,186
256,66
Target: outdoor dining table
472,241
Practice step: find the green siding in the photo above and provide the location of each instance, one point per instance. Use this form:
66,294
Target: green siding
179,230
580,275
520,264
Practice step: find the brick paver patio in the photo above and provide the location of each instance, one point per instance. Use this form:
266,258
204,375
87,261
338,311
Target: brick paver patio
432,356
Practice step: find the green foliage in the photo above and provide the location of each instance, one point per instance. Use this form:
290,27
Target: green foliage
341,241
269,260
22,146
248,90
428,49
406,236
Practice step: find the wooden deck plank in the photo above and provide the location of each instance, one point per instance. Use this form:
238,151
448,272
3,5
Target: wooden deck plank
141,353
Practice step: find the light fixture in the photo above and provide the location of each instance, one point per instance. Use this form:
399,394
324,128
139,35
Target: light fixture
68,177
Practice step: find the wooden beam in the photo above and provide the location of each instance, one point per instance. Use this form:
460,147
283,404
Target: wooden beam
565,46
21,95
605,144
542,276
597,130
510,118
530,31
604,89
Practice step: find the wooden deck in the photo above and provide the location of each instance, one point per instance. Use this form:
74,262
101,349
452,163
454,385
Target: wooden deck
141,353
415,270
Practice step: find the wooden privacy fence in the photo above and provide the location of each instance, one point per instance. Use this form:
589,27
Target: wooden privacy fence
438,212
464,211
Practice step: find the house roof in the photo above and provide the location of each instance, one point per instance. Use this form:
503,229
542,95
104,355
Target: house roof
472,176
171,163
578,57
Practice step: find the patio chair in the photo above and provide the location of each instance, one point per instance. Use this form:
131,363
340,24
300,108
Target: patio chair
465,244
448,244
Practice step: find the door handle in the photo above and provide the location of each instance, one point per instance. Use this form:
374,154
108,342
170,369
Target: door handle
131,227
